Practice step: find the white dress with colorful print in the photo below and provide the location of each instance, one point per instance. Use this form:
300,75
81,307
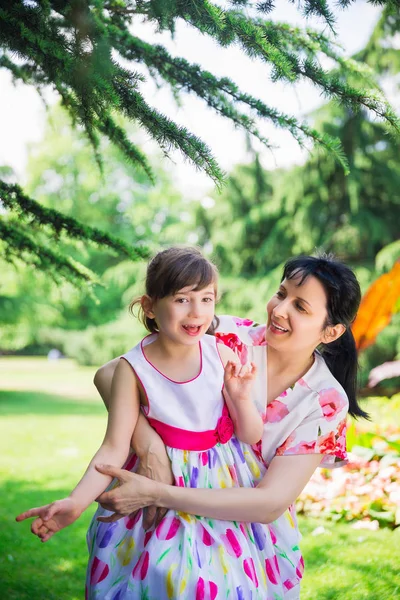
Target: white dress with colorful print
187,557
308,418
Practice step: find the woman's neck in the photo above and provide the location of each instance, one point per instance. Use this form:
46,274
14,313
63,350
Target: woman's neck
288,367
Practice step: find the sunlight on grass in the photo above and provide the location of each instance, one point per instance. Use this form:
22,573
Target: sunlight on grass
47,440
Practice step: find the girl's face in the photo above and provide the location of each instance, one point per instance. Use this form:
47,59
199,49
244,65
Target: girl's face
296,316
185,316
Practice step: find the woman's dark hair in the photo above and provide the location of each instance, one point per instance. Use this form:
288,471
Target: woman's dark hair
171,270
343,298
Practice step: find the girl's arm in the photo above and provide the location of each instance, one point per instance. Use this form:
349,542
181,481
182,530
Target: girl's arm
281,485
238,381
122,417
146,443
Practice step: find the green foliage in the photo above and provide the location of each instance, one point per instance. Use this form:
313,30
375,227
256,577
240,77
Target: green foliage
72,47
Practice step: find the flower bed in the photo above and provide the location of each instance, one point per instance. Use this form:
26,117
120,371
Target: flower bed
367,490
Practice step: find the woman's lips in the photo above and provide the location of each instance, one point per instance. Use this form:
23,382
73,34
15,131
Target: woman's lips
277,329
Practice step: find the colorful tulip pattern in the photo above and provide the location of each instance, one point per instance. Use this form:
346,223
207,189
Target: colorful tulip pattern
187,557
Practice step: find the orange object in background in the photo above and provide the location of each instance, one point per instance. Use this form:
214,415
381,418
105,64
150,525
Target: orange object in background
378,305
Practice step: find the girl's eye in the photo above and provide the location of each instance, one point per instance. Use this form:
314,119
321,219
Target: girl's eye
207,299
181,300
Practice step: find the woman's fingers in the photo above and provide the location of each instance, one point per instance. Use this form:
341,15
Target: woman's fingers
110,518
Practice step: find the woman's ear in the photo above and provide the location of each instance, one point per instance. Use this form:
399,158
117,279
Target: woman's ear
147,306
332,333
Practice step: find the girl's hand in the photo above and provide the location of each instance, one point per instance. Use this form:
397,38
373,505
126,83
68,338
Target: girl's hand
133,493
238,380
51,518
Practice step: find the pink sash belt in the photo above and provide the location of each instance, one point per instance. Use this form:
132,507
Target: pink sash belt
183,439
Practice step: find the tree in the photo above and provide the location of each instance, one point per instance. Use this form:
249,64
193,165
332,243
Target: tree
72,47
280,213
62,174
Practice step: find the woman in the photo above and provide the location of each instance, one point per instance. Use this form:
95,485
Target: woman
304,395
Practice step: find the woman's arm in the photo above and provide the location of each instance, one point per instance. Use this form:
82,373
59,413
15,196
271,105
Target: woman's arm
238,381
281,485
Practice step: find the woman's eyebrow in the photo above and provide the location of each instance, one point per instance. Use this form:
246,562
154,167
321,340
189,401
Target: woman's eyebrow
303,300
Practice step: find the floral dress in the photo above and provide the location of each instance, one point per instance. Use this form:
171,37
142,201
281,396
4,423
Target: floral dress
187,557
308,418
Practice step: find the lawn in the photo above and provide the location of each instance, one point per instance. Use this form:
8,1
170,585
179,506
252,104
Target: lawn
52,423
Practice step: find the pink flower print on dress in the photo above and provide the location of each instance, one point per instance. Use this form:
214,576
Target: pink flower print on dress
99,571
302,448
206,537
341,440
272,534
204,458
141,567
248,565
206,590
233,341
276,411
327,443
168,528
286,444
243,322
257,335
130,522
272,570
231,543
288,585
332,402
300,568
303,383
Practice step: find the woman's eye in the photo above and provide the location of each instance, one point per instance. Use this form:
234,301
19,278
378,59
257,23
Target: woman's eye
279,294
300,307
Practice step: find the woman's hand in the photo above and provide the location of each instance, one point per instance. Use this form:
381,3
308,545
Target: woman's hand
51,518
157,467
133,493
153,463
238,380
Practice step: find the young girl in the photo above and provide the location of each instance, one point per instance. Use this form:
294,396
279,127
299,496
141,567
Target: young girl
205,417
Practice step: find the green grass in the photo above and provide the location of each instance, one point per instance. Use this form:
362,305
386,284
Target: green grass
52,423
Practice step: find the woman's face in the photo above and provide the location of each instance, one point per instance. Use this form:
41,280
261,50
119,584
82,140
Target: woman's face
296,315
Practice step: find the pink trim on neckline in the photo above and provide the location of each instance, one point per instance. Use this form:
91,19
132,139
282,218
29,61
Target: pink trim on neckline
166,376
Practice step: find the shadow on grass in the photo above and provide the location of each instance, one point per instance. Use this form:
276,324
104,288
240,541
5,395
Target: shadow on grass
30,570
39,403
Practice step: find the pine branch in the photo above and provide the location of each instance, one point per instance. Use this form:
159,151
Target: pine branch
13,198
16,243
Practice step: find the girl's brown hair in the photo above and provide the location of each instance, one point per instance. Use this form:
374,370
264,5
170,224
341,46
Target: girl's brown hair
171,270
